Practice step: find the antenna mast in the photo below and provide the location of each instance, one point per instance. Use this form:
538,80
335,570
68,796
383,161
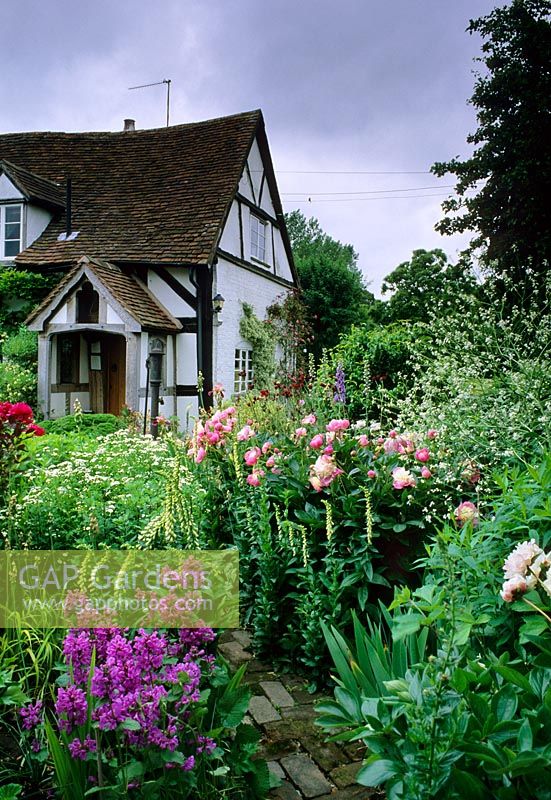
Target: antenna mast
159,83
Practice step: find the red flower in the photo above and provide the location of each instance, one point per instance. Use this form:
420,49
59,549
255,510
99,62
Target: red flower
20,412
36,429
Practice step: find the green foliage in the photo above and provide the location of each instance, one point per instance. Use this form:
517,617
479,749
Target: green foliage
17,383
333,288
261,337
374,361
21,348
89,424
455,720
426,282
20,292
510,169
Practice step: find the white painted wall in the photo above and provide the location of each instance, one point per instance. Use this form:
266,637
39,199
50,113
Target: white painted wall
38,220
60,317
166,296
7,190
237,285
186,355
230,241
112,318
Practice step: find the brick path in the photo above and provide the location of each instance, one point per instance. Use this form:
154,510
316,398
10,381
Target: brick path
293,746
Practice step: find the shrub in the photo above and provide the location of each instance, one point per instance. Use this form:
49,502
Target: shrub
91,424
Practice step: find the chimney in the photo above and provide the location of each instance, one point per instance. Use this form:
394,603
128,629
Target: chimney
129,125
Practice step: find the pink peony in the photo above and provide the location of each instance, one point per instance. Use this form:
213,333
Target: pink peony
371,473
254,478
266,446
252,456
423,454
515,584
323,472
317,441
338,425
245,433
328,450
466,512
432,433
199,456
363,440
401,478
426,473
270,462
309,420
300,432
521,558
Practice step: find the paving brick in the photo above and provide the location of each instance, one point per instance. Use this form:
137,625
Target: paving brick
299,712
345,774
256,666
234,652
306,775
277,694
276,770
327,755
286,792
243,638
262,710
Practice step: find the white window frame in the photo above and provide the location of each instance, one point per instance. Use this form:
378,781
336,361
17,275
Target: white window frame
3,224
259,238
243,374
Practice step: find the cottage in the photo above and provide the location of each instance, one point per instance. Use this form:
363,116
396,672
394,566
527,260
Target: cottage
160,235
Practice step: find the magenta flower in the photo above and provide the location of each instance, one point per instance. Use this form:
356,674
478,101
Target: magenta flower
426,473
251,456
371,473
31,715
336,425
423,454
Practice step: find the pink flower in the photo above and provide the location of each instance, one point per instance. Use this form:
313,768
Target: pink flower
252,456
254,478
363,440
270,461
230,410
323,472
300,432
265,447
199,456
426,473
213,437
515,584
317,441
401,478
309,420
423,454
466,512
393,433
245,433
521,558
328,450
432,433
371,473
338,425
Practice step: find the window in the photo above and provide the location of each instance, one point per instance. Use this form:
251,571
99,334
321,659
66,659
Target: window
258,238
243,373
68,357
11,218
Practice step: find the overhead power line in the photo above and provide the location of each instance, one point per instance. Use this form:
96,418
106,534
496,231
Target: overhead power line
360,199
347,172
367,191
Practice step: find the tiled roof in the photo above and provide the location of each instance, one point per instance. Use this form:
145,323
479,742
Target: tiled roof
126,289
33,187
147,196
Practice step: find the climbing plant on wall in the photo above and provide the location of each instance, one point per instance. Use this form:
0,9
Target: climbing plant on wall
261,337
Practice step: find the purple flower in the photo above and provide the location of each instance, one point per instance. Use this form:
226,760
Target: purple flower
340,386
31,715
80,749
71,702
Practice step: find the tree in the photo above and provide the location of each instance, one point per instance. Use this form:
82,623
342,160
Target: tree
333,288
510,169
424,283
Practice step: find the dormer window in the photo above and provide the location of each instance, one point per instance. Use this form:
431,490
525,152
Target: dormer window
258,238
11,219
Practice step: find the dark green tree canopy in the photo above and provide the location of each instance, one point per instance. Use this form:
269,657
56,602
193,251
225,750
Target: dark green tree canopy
503,192
425,282
333,288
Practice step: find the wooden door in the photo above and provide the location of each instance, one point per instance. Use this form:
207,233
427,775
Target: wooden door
115,363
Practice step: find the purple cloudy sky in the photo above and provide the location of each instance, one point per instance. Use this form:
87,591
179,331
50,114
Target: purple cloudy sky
348,87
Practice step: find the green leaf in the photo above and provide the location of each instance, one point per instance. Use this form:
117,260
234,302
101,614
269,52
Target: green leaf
525,738
406,625
505,703
10,791
376,771
468,785
130,725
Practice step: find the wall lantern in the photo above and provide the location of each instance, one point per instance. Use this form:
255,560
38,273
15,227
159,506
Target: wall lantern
218,303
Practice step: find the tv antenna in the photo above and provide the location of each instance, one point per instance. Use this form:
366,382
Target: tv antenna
159,83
